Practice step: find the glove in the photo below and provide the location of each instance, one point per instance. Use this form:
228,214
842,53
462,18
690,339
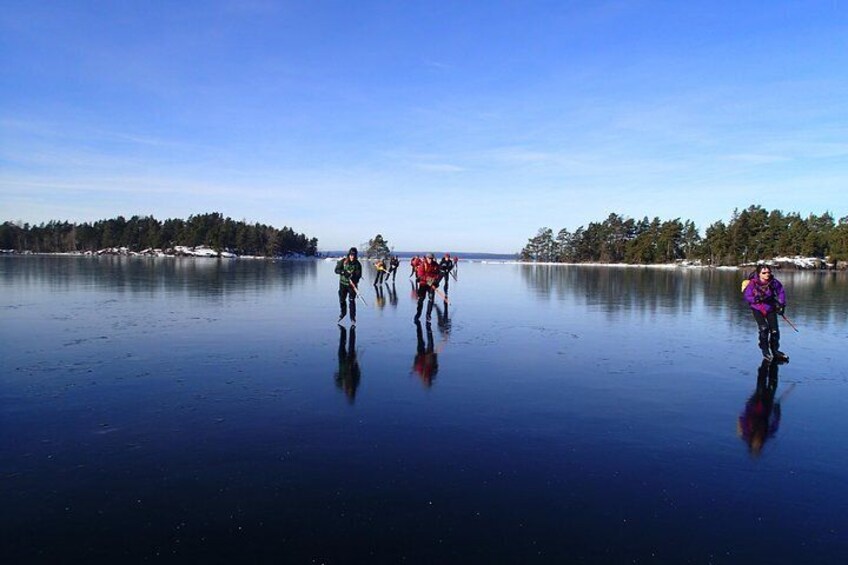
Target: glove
781,308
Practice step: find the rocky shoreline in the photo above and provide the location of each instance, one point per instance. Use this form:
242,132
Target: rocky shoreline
176,251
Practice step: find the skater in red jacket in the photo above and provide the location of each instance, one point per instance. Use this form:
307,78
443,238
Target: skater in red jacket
428,276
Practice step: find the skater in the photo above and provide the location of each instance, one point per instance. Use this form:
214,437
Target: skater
349,270
394,263
348,375
414,262
446,266
381,271
428,280
767,298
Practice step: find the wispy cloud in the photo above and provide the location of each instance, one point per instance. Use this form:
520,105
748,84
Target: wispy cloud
437,65
439,167
755,159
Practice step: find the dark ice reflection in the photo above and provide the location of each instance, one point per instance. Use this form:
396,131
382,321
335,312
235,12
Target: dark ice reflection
348,374
206,278
191,410
760,419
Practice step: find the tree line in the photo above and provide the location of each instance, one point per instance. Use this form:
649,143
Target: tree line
146,232
751,235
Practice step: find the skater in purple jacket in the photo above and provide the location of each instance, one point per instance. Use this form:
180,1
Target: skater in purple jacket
767,298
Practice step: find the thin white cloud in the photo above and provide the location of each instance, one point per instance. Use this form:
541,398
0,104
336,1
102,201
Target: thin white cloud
439,167
438,65
755,159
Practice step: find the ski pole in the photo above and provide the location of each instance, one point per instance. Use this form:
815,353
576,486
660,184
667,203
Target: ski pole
788,322
356,290
785,393
440,293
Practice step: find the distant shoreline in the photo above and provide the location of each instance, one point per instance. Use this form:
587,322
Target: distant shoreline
782,263
178,252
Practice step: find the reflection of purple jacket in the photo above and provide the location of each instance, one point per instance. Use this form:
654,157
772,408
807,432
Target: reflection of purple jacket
764,296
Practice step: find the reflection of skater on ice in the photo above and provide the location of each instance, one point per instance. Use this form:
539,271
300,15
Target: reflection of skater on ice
348,375
761,417
380,301
426,363
393,298
443,321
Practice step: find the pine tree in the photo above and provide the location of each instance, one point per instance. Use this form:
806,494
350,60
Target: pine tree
377,248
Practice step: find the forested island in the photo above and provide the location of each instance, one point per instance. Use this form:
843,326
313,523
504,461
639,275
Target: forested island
146,234
751,235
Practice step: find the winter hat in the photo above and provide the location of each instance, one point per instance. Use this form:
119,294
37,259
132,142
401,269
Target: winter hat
353,251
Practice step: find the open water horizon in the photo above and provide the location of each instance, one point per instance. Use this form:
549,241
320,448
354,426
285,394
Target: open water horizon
178,409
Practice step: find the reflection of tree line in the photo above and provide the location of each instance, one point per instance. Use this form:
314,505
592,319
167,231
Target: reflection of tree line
615,288
817,296
146,274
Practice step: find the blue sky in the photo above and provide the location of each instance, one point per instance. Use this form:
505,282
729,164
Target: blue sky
441,125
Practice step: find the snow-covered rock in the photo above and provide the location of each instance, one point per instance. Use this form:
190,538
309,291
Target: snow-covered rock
796,262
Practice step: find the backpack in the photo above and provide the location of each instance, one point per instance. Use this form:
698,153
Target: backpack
748,280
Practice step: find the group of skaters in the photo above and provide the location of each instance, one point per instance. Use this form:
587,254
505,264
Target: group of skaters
428,276
763,292
385,268
766,296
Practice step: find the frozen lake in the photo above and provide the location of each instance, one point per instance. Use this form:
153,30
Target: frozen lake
197,410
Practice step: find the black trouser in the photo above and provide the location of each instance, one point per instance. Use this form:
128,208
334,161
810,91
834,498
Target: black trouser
423,292
379,279
347,291
769,333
